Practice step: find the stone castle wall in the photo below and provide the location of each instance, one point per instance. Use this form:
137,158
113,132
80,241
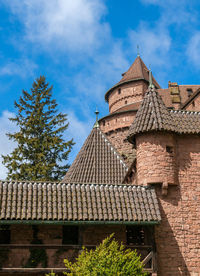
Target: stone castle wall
126,94
178,235
156,159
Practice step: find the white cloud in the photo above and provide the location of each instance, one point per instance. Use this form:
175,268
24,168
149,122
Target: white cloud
154,43
73,25
6,146
22,67
103,72
193,47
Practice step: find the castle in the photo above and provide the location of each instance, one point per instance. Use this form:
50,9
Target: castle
137,175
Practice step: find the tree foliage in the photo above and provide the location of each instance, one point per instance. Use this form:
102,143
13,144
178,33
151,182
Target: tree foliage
41,149
108,259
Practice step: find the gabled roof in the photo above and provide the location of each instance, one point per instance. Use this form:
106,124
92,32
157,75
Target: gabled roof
137,71
97,162
23,202
152,115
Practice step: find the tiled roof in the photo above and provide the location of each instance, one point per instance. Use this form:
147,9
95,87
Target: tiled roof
138,70
153,115
97,162
187,122
77,202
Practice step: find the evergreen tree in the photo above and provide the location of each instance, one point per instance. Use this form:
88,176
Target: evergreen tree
41,149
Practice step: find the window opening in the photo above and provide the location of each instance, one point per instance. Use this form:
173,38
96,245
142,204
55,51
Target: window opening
70,235
119,91
189,91
135,235
4,234
169,149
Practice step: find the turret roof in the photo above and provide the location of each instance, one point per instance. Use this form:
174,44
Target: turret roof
152,115
137,71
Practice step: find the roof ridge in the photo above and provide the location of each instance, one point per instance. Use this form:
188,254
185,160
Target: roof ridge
81,184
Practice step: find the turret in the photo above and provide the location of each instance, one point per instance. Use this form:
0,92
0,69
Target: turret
124,99
152,132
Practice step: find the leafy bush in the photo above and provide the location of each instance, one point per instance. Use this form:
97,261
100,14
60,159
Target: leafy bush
108,259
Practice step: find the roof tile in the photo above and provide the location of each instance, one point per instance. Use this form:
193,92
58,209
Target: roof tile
65,202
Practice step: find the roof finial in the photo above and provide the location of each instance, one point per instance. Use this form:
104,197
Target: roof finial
96,123
151,85
138,50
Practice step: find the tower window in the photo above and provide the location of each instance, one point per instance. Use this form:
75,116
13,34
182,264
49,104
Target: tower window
70,235
125,102
169,149
193,103
189,91
119,91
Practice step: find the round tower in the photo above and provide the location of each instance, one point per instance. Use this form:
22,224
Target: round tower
124,99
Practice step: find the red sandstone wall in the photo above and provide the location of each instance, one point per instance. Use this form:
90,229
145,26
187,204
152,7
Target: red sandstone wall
130,93
118,139
117,121
178,235
154,163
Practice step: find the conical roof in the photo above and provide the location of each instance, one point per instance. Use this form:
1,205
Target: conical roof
152,115
137,71
97,162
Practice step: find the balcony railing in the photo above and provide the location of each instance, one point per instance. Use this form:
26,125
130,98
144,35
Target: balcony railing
148,257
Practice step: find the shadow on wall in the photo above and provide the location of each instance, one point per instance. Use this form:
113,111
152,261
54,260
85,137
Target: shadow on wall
169,234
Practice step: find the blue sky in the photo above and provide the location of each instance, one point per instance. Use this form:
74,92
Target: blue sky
83,46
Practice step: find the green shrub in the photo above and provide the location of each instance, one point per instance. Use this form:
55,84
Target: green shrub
108,259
